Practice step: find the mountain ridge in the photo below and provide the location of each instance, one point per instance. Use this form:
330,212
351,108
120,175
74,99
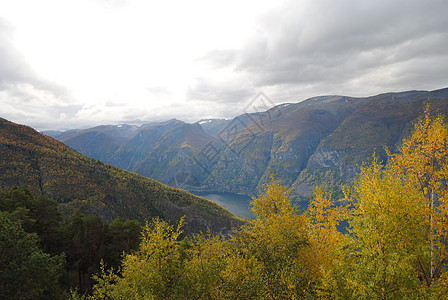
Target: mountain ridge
322,138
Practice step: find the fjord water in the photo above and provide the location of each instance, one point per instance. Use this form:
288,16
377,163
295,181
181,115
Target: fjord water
235,203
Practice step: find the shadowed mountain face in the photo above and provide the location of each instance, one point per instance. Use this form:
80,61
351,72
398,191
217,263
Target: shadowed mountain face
51,168
213,126
319,140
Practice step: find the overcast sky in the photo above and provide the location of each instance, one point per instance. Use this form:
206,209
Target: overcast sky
76,64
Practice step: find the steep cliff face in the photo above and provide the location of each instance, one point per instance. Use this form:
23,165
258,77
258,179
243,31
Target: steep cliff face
378,123
175,156
136,148
280,141
319,140
327,158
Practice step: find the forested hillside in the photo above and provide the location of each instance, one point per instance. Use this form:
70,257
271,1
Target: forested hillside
50,168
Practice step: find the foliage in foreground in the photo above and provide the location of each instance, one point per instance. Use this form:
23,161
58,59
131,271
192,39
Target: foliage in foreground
269,257
43,254
392,246
395,247
26,272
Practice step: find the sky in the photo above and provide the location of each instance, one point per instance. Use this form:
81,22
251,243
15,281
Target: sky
77,64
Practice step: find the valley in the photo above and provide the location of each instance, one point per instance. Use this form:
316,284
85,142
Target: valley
321,139
223,150
77,182
83,211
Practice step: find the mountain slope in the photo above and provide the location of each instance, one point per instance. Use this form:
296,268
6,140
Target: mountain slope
174,153
280,140
381,121
213,126
137,147
51,168
321,139
168,151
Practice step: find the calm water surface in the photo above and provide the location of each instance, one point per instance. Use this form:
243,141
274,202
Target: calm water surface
235,203
239,204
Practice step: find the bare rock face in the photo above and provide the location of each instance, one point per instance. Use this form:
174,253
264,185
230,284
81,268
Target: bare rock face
332,159
325,159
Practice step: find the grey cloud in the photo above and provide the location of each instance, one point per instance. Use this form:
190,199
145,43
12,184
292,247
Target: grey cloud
23,93
114,104
132,115
13,68
219,58
159,91
211,91
68,110
16,74
343,45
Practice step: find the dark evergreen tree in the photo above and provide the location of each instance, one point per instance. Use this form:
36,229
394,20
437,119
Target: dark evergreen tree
26,272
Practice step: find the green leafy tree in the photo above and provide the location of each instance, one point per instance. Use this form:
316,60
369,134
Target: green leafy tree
37,214
152,272
77,248
88,241
26,272
123,237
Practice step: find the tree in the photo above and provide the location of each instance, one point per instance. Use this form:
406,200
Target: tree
153,272
269,257
205,259
423,161
396,246
26,272
88,242
76,247
37,214
276,242
324,216
385,232
124,236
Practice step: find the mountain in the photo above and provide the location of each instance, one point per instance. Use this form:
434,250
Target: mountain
318,140
380,122
213,126
174,158
322,140
57,134
51,168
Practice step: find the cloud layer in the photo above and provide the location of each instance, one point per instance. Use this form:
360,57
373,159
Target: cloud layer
139,65
345,47
24,95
